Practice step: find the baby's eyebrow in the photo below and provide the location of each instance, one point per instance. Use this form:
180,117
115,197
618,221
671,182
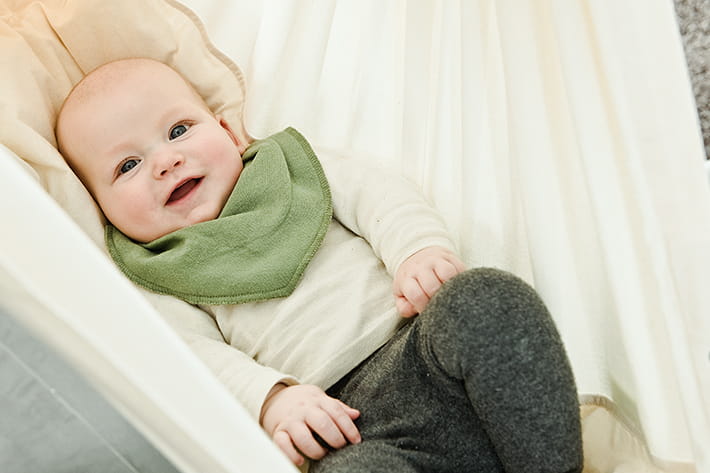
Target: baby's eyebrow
170,114
118,151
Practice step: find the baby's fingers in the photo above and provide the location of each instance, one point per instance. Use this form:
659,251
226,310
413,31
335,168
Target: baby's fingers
448,268
325,426
343,416
429,282
404,307
283,440
303,439
413,292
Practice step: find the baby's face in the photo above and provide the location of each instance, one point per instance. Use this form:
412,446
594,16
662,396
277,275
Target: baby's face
151,153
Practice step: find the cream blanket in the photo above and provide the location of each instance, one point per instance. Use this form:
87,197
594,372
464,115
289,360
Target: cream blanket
558,139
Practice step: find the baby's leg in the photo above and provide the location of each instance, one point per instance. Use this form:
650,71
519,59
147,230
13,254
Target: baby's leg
478,382
492,331
414,418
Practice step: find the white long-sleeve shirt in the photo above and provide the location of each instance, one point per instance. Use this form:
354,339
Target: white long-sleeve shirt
343,308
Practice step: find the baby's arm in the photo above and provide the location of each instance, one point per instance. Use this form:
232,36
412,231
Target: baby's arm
292,414
287,411
419,277
398,222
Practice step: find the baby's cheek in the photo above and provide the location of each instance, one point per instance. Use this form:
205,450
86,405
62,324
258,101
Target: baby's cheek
130,213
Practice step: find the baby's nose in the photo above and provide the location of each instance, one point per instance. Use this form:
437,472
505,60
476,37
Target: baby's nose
166,162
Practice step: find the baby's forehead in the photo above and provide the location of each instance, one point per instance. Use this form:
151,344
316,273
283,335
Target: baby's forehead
123,77
106,79
100,91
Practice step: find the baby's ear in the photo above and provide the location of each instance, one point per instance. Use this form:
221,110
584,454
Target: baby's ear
223,123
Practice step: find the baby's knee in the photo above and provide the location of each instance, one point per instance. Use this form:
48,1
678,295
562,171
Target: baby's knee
485,299
486,315
486,279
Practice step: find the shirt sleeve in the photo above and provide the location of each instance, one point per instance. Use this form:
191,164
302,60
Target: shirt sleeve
248,381
384,208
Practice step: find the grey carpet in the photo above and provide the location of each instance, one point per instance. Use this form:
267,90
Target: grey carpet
694,24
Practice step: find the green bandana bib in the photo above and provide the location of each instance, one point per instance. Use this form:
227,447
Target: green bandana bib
257,249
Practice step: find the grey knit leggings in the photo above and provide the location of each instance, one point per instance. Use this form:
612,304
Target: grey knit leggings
479,382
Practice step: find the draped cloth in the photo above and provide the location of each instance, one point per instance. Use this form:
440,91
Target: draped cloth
560,141
558,138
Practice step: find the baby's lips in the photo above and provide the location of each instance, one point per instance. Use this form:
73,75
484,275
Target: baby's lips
183,189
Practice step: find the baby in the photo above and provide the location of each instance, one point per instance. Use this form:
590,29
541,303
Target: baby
317,313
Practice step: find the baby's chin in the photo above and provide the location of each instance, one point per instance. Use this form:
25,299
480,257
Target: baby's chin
144,234
200,217
192,220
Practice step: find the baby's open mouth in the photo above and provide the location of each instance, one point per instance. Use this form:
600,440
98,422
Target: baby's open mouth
183,189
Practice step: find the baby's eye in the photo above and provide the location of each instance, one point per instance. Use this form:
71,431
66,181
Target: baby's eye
127,165
178,130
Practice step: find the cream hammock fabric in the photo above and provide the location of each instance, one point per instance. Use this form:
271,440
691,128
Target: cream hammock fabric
560,140
557,137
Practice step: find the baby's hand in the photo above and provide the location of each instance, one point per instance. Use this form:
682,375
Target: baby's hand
292,414
421,275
